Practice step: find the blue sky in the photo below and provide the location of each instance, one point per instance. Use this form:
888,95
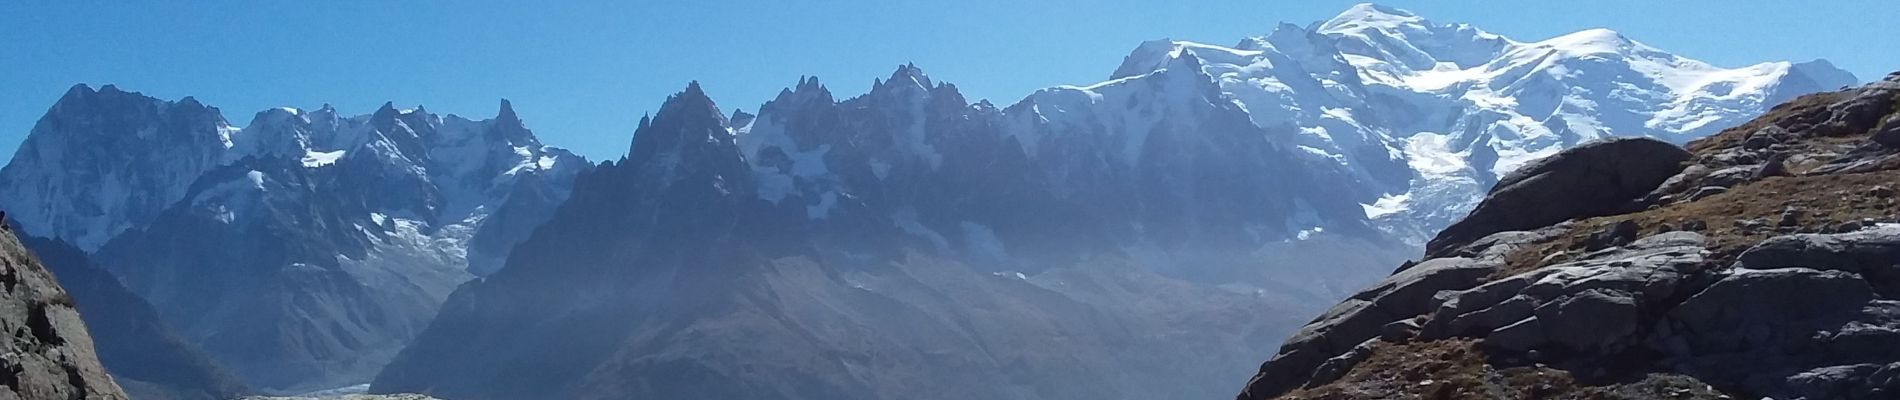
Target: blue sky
582,72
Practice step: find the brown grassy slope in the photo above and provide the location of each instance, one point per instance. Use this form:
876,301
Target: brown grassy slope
1458,369
1751,212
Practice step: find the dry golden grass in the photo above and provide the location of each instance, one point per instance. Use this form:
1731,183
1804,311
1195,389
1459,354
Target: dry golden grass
1457,369
1733,137
1826,201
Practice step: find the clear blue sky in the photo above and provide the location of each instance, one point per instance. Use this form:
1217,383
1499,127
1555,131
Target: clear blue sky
582,72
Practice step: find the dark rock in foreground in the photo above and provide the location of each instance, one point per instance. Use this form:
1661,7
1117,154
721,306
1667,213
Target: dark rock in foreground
48,354
145,355
1644,288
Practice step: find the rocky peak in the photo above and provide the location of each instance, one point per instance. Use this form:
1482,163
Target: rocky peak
1281,38
740,118
101,161
1185,68
808,93
79,95
385,116
76,92
325,119
906,79
400,135
1144,58
280,131
1179,66
809,84
686,119
508,127
277,116
1825,74
506,116
689,138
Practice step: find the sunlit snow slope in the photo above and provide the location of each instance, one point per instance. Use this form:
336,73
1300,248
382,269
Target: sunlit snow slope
1427,115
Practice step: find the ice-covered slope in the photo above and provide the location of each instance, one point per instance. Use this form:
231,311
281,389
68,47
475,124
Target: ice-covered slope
303,249
1429,114
100,162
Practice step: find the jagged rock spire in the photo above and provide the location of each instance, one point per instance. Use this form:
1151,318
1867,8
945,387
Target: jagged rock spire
385,114
507,114
686,118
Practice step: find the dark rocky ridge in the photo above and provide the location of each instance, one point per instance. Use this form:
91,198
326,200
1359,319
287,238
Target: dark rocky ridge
49,354
904,243
1764,267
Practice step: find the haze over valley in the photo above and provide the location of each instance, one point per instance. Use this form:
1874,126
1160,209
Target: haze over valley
1157,234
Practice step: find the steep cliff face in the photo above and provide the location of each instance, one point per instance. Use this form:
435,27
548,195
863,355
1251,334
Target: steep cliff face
49,353
1760,262
103,161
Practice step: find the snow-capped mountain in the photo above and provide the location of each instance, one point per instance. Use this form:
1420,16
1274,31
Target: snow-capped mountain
909,243
100,162
303,249
857,248
902,243
1428,115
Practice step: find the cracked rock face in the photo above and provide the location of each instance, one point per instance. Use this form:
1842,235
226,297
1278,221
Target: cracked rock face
47,353
1770,324
1618,286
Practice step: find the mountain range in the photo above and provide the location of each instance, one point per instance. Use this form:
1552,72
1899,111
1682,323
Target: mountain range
1153,235
302,250
780,254
1428,115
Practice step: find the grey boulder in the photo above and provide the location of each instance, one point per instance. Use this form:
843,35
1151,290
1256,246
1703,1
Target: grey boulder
1597,178
1590,305
1330,345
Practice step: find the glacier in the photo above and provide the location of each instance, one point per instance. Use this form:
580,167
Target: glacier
302,249
1427,115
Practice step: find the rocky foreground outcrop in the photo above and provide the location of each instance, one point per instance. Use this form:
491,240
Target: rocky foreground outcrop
1763,261
145,355
47,353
